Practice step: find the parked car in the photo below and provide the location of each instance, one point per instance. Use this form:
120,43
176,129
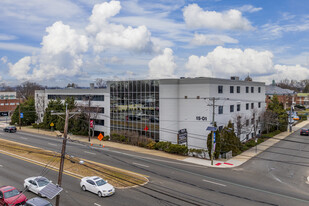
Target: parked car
97,185
10,129
36,184
37,202
9,195
304,131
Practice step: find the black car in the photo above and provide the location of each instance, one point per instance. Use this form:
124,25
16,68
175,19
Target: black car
304,131
10,129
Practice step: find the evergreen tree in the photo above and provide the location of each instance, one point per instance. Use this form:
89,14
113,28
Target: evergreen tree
28,110
277,107
229,140
218,143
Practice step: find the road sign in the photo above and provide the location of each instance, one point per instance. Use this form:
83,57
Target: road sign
91,123
52,124
210,128
214,137
100,137
182,136
21,115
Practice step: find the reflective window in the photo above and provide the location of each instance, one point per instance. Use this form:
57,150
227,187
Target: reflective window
135,107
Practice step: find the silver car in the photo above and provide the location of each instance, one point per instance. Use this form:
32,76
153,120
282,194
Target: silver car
37,202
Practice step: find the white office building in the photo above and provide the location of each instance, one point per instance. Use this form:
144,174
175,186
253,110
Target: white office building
159,109
94,100
192,103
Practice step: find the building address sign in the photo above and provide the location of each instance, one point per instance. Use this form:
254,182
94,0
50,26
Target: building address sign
201,118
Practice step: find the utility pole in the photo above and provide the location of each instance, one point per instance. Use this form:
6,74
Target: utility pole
89,118
63,151
213,133
65,134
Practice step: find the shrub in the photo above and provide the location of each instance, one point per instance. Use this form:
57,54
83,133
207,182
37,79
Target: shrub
162,146
177,149
151,144
118,138
271,134
303,117
106,138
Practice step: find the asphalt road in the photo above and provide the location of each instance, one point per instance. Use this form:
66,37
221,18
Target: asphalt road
174,182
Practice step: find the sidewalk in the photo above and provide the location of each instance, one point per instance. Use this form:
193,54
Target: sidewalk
247,155
233,162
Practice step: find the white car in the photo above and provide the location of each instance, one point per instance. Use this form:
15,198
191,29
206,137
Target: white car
36,184
97,185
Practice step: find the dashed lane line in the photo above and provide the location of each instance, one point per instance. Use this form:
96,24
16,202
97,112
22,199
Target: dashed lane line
90,153
214,183
139,164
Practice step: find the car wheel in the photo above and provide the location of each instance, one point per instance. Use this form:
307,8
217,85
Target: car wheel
99,194
26,188
83,188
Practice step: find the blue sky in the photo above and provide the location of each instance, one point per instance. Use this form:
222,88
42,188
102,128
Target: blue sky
61,41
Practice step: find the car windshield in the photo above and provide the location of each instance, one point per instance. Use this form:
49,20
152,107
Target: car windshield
11,193
100,182
42,182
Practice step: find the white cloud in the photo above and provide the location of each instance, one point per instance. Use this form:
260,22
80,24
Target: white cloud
21,68
108,35
60,55
280,72
224,62
212,39
249,8
4,59
195,17
162,66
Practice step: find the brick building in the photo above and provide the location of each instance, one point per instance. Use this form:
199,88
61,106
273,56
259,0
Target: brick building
8,103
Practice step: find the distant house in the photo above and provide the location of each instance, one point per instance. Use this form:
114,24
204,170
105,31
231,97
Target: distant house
286,96
302,99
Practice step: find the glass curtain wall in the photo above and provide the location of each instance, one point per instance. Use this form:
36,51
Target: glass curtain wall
135,107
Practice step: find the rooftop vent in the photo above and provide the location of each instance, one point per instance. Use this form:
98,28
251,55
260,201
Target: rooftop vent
234,78
91,85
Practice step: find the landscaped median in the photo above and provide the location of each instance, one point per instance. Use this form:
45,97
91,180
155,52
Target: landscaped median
117,177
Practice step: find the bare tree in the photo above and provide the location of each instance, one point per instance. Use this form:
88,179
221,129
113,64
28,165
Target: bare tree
27,89
99,82
72,85
4,87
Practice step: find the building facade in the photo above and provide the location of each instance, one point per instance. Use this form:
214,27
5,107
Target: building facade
135,107
8,103
94,101
159,109
162,109
285,96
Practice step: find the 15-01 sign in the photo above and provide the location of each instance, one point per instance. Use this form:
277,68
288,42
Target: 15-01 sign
201,118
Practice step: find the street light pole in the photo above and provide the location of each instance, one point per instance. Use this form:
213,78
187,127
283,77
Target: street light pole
63,151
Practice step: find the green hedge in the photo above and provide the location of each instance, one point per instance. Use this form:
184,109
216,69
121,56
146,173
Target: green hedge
271,134
302,117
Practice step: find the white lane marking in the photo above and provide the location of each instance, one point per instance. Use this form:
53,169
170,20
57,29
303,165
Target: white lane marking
90,153
158,160
214,183
1,165
52,144
23,137
97,204
139,164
